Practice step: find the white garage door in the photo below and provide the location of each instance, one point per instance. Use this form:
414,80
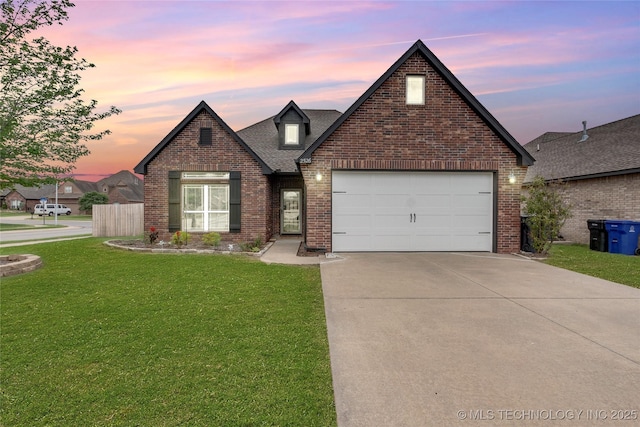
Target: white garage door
412,211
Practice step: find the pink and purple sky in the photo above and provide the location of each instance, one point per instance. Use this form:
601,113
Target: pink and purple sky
536,66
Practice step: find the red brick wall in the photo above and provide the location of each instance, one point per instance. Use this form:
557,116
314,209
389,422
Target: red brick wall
279,183
385,133
15,197
224,155
614,197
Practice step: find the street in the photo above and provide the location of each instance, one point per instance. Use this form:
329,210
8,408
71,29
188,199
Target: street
69,228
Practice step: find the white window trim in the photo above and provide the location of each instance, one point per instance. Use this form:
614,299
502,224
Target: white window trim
205,212
415,90
291,134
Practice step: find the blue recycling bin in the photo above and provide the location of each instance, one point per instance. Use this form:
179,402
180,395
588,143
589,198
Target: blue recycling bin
623,236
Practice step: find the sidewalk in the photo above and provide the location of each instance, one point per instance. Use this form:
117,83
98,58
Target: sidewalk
285,251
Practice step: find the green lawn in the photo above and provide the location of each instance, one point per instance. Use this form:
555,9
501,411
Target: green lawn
9,213
9,227
617,268
101,336
62,218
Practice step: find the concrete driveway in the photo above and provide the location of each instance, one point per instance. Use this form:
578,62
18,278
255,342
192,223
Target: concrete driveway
419,339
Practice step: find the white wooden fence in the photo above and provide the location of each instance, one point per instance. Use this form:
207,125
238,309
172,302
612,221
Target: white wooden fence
118,220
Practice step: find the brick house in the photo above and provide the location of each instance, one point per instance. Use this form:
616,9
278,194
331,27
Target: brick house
599,169
23,198
415,164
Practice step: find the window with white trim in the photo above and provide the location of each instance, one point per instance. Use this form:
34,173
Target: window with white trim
291,134
205,201
415,90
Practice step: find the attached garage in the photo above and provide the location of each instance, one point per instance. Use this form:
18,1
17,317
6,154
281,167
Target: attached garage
412,211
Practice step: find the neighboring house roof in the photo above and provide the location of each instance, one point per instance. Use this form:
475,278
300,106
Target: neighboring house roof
141,168
32,193
124,177
127,184
86,186
130,194
262,137
79,189
524,157
610,149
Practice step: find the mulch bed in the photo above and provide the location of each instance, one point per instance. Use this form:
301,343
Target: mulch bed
303,251
141,244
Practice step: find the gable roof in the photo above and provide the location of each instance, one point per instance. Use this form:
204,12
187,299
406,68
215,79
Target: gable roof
141,167
131,194
292,106
31,193
524,157
85,186
262,137
611,149
124,177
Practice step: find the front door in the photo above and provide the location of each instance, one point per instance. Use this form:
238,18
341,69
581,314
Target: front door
291,212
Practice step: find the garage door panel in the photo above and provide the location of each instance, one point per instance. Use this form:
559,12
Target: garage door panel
432,200
345,201
412,211
481,202
353,223
473,243
385,201
390,221
353,242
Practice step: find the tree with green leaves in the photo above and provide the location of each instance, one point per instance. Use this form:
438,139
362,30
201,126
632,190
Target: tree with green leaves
546,212
91,198
44,122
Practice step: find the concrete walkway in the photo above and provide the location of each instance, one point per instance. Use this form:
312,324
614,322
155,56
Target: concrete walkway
285,250
440,339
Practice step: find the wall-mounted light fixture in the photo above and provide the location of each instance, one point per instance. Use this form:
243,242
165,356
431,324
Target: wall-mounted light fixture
512,178
318,177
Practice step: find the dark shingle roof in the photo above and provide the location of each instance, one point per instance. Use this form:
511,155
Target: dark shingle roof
32,193
262,137
611,149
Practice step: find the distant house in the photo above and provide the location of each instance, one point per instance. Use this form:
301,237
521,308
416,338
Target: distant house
123,187
415,164
25,198
600,167
70,193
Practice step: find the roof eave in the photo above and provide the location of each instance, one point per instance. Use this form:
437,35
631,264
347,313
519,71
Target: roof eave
141,167
591,176
523,156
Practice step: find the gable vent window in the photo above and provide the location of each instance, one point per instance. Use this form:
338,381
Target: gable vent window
292,134
415,90
206,136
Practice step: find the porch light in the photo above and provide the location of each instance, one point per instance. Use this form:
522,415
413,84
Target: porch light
512,178
318,177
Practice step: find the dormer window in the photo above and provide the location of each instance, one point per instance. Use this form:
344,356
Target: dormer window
415,90
293,127
292,134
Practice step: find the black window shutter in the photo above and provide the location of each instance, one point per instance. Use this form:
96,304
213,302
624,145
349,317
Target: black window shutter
206,136
234,202
174,201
